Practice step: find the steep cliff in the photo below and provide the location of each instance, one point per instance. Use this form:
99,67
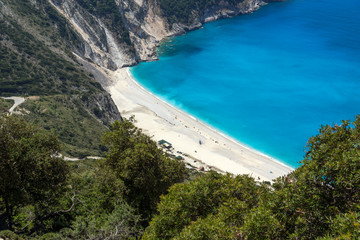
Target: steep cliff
146,22
60,51
36,52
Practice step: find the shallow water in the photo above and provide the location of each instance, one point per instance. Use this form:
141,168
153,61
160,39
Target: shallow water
269,79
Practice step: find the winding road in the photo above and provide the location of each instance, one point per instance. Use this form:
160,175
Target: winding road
17,100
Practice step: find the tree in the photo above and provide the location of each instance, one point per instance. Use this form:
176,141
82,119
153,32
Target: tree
30,170
325,185
261,224
146,171
344,227
331,167
121,223
319,199
212,206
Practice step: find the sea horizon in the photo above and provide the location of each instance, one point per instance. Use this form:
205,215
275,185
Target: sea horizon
313,75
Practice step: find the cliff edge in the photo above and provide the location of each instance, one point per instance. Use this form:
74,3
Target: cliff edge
141,25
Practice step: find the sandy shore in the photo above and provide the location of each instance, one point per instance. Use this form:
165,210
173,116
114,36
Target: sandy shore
162,121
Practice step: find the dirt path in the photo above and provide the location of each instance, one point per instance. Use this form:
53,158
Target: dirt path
17,100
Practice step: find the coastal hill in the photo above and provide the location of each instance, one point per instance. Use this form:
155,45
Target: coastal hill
57,53
123,33
62,56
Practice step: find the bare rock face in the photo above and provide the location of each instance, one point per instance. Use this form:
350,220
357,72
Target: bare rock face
103,107
99,44
146,24
222,10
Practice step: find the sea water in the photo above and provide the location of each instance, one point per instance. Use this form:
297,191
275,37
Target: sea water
269,79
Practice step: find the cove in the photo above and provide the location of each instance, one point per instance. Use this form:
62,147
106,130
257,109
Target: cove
268,79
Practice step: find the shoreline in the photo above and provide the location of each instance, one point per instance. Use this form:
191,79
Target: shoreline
200,145
216,131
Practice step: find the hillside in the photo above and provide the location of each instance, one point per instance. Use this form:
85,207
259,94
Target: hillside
36,60
60,51
59,55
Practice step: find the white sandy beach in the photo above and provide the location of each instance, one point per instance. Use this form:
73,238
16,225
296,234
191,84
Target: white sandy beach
163,121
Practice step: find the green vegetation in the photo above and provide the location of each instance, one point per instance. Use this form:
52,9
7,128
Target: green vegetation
116,198
96,201
35,59
209,207
28,67
137,190
146,171
5,105
30,171
319,200
44,23
67,117
185,11
109,12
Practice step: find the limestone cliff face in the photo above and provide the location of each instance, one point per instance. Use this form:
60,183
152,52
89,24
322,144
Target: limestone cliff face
146,24
225,10
98,44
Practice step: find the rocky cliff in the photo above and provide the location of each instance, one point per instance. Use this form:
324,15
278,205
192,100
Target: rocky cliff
147,22
61,50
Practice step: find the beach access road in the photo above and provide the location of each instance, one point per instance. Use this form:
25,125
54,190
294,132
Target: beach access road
17,102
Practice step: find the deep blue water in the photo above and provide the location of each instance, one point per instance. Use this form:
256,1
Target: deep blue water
269,79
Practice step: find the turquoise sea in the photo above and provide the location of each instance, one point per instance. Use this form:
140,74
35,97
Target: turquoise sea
269,79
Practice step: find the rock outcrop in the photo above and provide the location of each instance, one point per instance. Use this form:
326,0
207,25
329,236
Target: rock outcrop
146,24
99,45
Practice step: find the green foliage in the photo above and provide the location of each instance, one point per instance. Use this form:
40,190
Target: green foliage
88,210
78,131
344,226
30,68
113,198
7,234
97,202
29,65
121,223
146,171
100,211
331,167
212,198
47,22
327,183
324,186
261,224
185,11
109,12
35,59
209,228
5,105
319,200
30,171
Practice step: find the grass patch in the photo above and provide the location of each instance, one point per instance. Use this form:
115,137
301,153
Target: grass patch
79,132
5,105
